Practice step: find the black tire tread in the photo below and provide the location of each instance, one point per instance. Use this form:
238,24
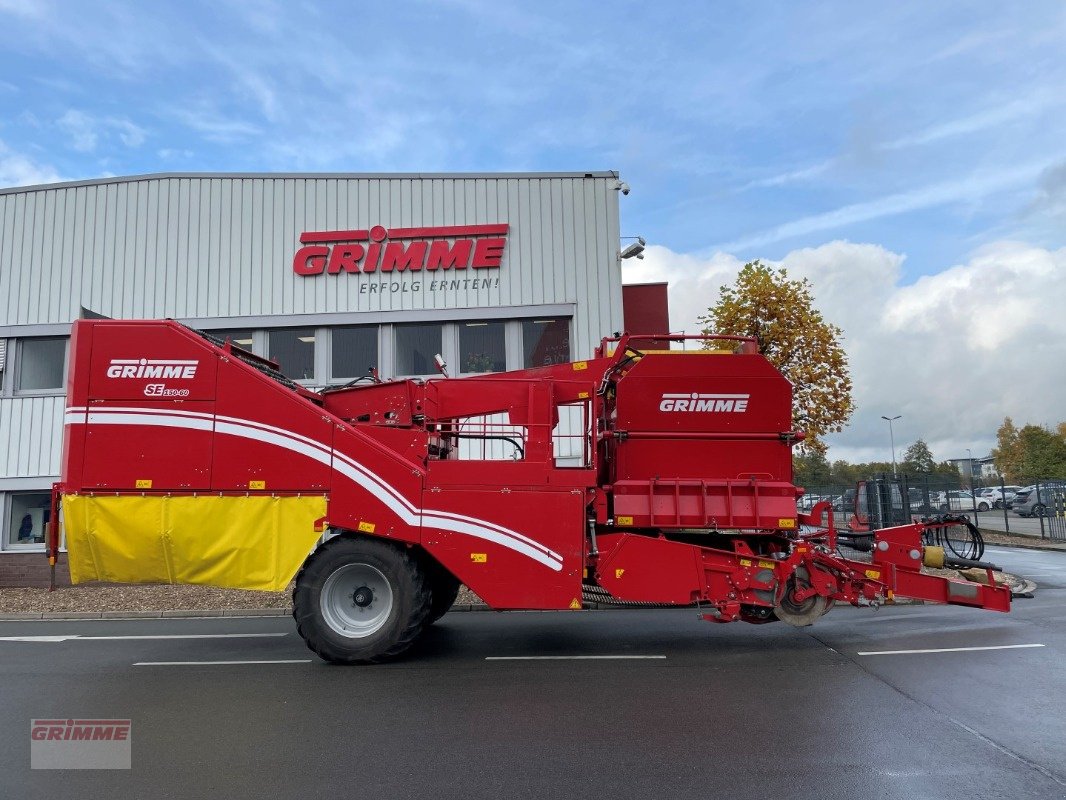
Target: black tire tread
306,622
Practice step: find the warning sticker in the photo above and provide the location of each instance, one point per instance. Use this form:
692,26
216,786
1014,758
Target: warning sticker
479,558
367,527
575,604
257,484
786,523
624,520
143,483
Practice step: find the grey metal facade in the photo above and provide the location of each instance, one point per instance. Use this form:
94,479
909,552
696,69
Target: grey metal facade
217,250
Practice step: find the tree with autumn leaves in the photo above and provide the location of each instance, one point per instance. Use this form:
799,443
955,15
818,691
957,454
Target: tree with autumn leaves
779,313
1030,453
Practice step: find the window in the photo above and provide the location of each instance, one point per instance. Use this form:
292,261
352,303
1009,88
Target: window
481,347
41,364
415,347
355,351
294,350
545,342
28,519
243,339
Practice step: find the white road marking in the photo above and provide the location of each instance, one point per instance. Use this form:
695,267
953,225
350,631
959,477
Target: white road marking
947,650
79,637
218,663
567,658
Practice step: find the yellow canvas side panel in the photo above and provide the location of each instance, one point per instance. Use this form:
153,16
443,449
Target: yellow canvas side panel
115,539
241,542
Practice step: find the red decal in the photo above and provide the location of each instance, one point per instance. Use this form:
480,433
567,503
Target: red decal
310,260
334,236
443,255
431,248
487,253
346,257
411,257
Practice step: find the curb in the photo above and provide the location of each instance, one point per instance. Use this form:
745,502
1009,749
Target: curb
1022,543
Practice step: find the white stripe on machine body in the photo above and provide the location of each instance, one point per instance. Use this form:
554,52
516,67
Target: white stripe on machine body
340,462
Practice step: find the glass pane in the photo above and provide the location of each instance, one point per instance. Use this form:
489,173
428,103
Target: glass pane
294,350
481,347
238,337
41,365
355,351
415,347
29,516
545,341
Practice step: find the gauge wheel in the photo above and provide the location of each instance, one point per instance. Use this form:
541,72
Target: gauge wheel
359,600
800,614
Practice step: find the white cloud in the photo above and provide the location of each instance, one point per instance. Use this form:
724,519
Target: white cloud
85,130
20,170
953,353
966,189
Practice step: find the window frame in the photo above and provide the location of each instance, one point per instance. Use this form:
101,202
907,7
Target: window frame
7,545
18,360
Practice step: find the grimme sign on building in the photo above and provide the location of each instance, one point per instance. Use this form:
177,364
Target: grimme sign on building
411,250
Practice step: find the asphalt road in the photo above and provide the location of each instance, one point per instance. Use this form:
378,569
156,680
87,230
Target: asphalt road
736,711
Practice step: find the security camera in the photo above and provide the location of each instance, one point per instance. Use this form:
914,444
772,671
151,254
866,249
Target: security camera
635,249
623,187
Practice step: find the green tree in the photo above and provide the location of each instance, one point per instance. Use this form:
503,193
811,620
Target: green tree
1042,454
779,312
811,469
918,458
1007,455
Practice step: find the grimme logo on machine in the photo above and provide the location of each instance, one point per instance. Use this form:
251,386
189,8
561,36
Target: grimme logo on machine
694,401
152,368
450,247
180,369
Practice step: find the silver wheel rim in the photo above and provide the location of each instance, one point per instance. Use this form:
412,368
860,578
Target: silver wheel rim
356,600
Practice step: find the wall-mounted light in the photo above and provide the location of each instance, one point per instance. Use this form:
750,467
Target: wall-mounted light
636,249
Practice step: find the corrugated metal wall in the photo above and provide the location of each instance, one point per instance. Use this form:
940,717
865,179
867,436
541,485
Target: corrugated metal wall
222,246
31,436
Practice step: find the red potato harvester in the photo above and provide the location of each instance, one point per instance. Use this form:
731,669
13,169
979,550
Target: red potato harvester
638,476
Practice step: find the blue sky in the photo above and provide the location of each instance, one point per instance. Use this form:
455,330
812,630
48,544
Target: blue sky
935,133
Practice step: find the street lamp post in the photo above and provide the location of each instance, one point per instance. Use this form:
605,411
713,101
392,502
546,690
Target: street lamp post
969,466
892,439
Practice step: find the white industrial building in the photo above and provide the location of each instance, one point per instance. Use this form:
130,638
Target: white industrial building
327,274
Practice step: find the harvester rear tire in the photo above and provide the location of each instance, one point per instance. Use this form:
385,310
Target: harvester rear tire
382,614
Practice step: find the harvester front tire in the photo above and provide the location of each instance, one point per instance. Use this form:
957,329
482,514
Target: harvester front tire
360,600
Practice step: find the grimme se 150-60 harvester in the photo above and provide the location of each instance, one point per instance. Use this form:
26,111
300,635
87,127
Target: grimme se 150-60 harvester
189,460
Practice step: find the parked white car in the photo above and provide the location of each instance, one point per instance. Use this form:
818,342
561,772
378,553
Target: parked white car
958,500
1000,496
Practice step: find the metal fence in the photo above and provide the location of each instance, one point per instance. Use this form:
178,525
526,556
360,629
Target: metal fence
885,500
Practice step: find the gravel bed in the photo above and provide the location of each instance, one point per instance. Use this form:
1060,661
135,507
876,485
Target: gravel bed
139,597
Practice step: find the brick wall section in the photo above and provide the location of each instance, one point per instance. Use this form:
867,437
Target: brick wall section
31,569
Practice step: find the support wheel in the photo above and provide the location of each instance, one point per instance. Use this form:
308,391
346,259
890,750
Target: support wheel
360,600
800,614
